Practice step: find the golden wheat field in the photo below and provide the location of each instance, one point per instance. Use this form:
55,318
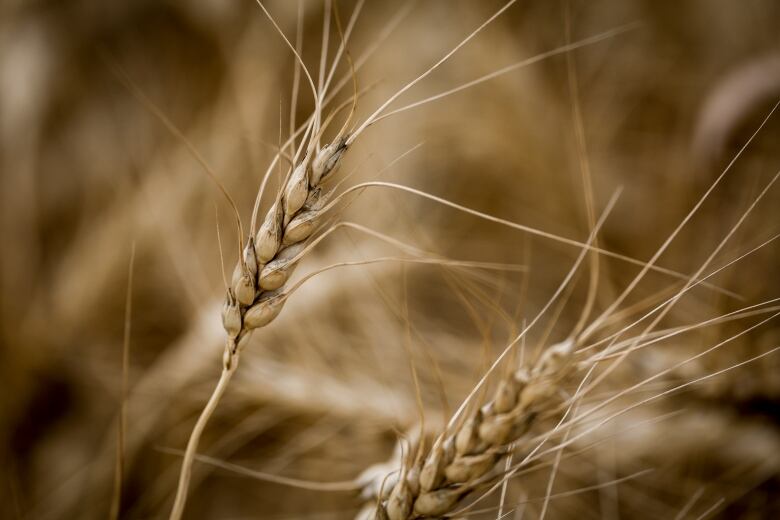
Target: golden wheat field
362,259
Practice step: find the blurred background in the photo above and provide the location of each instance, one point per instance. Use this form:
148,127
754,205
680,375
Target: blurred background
88,171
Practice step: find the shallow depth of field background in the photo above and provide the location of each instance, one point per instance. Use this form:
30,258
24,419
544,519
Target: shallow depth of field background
86,171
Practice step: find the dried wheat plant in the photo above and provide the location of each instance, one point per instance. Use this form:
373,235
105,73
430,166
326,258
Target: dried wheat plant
490,259
257,289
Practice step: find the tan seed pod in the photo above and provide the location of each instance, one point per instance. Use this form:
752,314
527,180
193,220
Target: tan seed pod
521,426
300,227
470,467
413,479
231,316
432,472
243,284
269,237
275,273
327,161
438,502
297,190
495,430
449,449
536,391
250,257
313,199
506,395
245,289
399,504
467,438
237,274
264,311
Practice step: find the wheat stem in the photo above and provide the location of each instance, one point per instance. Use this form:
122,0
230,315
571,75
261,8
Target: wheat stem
229,368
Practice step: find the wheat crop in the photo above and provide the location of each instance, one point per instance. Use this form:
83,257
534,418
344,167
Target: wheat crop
378,260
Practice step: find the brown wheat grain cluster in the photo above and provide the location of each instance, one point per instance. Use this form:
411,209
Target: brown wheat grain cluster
467,458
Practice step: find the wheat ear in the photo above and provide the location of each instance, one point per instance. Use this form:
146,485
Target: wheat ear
470,455
266,262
